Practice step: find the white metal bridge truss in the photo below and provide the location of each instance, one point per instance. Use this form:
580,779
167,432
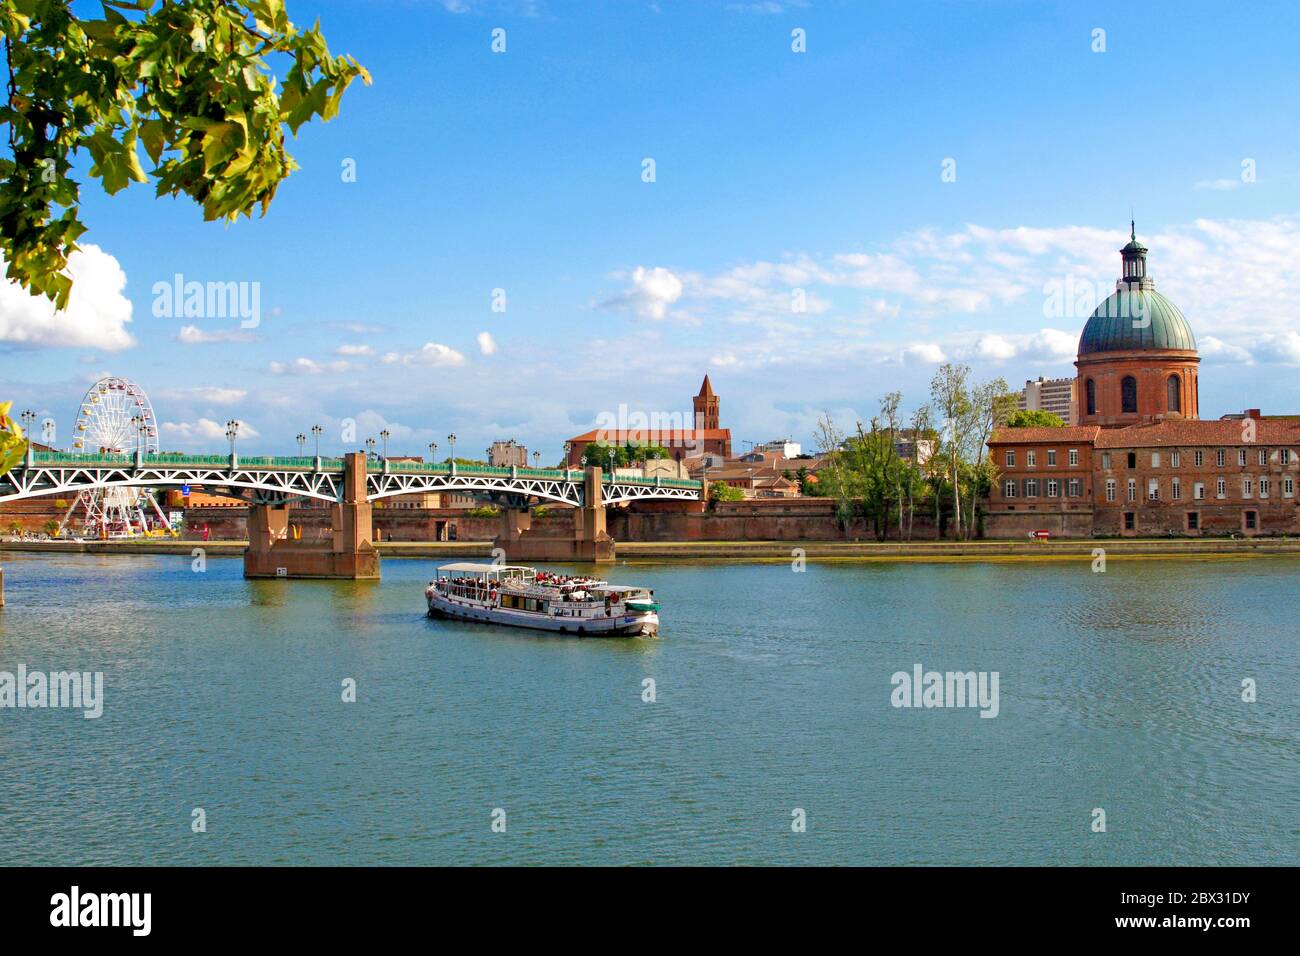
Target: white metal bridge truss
269,485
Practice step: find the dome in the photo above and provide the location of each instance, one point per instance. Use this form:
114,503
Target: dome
1120,324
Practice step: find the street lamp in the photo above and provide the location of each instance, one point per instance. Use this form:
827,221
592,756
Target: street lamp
611,465
537,458
385,436
301,439
433,450
316,431
370,447
452,438
232,432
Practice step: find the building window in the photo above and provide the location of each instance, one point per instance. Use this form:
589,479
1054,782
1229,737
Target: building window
1250,521
1105,460
1193,520
1198,458
1053,488
1128,394
1051,456
1132,489
1075,488
1246,486
1011,459
1263,457
1090,390
1263,487
1155,459
1129,521
1031,459
1177,491
1074,456
1110,489
1198,491
1221,489
1153,489
1132,459
1031,487
1175,394
1175,459
1284,456
1241,458
1009,488
1220,458
1288,486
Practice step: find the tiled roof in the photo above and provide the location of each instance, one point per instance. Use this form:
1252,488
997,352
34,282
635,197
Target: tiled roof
1214,432
1268,431
654,436
1045,436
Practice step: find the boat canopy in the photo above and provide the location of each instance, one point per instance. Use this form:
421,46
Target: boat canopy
468,567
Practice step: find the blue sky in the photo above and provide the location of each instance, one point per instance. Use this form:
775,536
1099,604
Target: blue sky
777,175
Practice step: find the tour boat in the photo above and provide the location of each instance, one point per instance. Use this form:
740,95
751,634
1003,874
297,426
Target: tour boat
525,597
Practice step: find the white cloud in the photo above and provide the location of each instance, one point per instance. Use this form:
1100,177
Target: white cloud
96,316
306,366
205,430
213,395
431,354
486,344
1219,184
193,335
354,350
653,291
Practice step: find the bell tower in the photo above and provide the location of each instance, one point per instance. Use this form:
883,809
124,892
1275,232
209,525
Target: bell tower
707,415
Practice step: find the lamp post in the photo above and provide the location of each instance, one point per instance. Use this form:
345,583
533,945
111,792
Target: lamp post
537,458
232,432
385,436
316,432
301,439
452,459
28,418
433,451
611,466
370,447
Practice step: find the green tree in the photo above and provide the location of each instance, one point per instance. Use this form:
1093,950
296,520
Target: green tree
721,491
1033,418
194,83
13,444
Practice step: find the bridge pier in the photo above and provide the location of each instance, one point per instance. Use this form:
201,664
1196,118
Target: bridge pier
272,552
589,543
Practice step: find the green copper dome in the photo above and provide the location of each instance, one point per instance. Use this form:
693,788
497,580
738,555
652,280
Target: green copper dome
1137,319
1135,316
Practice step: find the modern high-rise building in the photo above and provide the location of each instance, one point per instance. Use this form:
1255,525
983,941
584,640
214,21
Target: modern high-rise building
1056,395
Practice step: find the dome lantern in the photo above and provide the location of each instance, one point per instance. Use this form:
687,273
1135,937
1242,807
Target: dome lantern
1135,264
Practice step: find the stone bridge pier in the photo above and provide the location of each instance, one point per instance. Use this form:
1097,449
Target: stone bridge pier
588,543
348,554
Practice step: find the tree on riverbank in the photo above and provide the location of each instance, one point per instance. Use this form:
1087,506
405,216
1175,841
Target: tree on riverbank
882,472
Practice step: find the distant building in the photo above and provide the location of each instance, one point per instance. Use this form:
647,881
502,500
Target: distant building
706,437
1055,395
505,454
784,447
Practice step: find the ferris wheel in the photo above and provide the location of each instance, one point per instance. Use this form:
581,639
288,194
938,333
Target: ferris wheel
114,418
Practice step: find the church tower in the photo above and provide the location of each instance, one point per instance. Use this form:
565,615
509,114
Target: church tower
707,415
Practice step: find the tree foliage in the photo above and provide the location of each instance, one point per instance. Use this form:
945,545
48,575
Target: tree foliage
597,454
1033,418
190,82
13,444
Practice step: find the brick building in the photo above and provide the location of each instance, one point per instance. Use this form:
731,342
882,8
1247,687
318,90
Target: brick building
706,437
1141,461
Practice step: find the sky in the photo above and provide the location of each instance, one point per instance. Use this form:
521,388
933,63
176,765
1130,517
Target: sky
924,182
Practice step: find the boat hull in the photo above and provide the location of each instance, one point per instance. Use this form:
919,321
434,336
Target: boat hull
620,625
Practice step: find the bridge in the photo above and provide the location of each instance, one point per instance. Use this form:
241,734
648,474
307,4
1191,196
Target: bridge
351,484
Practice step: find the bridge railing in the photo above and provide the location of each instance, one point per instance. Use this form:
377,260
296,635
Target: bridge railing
75,459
